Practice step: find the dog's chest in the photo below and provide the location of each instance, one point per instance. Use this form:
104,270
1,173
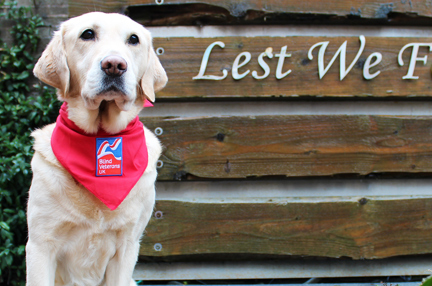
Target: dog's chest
97,245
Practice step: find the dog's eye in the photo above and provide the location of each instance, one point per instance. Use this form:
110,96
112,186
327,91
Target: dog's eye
88,34
133,40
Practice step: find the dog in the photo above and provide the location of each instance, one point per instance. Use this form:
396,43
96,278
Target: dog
104,69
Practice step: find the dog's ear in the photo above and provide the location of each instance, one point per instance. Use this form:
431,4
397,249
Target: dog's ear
155,77
52,67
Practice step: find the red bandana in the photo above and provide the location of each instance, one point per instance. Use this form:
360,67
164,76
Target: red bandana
108,165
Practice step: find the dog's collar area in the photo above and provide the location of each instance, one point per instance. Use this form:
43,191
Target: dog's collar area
101,132
148,103
78,152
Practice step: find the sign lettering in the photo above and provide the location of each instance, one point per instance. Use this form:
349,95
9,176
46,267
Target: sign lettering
414,58
205,61
373,60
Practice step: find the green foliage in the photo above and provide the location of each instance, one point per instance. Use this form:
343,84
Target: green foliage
22,109
427,281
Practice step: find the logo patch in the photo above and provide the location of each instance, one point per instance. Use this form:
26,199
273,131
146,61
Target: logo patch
109,156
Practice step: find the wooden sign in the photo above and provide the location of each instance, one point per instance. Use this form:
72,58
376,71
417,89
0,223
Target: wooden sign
296,66
369,9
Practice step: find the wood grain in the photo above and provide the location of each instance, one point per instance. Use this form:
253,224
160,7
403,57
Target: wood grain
369,9
360,228
292,145
182,60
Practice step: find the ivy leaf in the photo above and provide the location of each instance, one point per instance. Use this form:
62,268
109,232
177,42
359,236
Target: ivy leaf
23,75
4,225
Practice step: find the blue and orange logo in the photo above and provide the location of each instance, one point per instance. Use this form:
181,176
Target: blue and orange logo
109,156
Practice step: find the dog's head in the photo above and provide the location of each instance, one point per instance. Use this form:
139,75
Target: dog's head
105,67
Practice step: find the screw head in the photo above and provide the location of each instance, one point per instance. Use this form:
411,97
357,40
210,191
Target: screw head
158,131
159,164
158,214
157,247
160,51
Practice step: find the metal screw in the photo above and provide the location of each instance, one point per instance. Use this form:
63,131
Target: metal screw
159,2
158,214
157,247
160,51
158,131
159,164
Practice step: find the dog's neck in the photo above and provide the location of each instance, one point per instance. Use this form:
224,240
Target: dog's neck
108,116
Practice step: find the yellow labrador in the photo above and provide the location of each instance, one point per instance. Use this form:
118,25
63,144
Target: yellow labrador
104,68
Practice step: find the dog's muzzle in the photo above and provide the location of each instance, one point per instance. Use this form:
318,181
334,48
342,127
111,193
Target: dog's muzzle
113,84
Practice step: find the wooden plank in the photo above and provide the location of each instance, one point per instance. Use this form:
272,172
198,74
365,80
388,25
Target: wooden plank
250,146
182,59
304,188
280,269
213,31
287,107
367,9
360,228
79,7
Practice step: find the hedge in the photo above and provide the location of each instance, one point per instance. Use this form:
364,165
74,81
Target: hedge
23,108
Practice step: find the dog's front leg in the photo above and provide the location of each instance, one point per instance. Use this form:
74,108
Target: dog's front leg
120,268
40,264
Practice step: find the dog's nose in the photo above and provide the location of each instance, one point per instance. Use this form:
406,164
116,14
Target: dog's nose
114,65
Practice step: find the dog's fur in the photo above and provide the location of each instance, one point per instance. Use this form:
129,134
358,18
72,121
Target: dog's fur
74,239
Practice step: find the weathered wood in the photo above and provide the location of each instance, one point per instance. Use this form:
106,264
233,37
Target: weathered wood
182,58
368,9
360,228
79,7
305,188
288,268
242,146
287,107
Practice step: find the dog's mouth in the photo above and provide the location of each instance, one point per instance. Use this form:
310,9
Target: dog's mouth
103,106
111,84
111,90
122,102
